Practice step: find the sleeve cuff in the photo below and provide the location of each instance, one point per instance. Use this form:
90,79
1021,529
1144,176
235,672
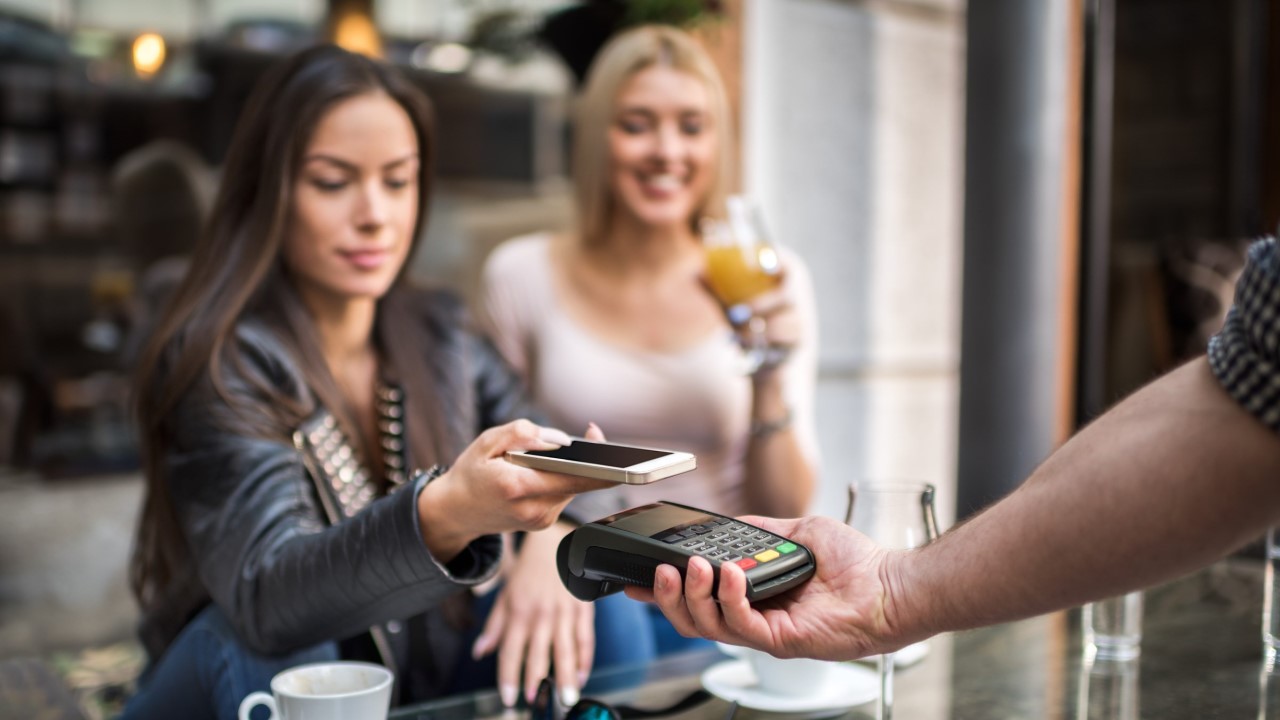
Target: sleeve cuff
477,562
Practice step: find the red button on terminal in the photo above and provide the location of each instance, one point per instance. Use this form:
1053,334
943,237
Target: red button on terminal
746,563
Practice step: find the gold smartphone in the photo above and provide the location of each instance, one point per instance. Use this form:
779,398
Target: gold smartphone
628,464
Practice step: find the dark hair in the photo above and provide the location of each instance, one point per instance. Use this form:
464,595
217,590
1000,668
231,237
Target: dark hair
237,271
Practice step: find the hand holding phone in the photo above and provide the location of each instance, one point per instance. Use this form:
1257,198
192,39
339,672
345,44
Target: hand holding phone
629,464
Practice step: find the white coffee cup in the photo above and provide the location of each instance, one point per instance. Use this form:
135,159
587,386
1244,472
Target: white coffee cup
791,677
326,691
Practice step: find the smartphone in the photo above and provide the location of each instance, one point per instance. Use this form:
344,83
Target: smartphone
601,557
627,464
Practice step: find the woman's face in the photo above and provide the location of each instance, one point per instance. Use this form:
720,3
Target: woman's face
662,146
355,200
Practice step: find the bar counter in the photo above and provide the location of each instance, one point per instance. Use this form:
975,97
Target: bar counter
1201,658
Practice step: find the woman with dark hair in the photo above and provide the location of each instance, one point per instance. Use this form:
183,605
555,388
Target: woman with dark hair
293,383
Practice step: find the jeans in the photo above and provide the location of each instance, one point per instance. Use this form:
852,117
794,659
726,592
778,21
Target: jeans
207,671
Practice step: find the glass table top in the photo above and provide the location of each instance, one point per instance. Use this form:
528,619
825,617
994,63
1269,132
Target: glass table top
1201,658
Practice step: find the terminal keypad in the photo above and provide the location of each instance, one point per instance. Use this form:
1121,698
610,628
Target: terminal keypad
724,541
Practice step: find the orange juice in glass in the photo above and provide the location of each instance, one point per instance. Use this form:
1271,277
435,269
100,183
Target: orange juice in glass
737,273
741,261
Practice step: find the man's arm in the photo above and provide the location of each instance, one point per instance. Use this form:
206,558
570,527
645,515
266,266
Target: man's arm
1174,477
1171,479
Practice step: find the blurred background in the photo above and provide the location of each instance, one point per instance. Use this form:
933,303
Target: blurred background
1015,213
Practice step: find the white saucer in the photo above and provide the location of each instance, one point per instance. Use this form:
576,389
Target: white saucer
847,686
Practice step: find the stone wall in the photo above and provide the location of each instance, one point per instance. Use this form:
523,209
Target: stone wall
853,132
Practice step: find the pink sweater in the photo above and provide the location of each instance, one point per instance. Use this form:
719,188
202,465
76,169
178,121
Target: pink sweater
696,399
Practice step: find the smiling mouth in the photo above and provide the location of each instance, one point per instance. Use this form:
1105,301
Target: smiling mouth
662,182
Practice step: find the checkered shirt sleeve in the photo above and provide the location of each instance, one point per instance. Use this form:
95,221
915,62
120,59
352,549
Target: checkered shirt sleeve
1245,355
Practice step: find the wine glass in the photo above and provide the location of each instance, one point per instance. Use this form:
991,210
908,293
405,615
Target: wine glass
898,516
742,262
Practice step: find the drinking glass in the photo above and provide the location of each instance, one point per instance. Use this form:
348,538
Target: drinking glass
1113,627
1271,614
742,262
898,516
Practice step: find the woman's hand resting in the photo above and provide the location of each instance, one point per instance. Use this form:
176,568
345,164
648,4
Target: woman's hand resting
535,620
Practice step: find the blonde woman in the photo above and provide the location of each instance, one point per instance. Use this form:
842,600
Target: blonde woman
612,323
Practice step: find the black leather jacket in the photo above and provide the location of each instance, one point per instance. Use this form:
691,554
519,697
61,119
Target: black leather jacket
259,544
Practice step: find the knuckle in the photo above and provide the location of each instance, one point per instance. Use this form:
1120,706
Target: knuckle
543,521
524,428
511,490
488,435
530,516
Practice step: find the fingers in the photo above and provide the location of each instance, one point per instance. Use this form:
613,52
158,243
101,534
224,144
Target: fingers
569,637
550,483
594,433
586,637
770,302
699,601
778,526
643,594
493,628
776,324
537,660
510,659
739,619
552,436
695,613
521,435
565,651
667,593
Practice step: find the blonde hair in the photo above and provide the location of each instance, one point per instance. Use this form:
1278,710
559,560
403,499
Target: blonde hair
624,56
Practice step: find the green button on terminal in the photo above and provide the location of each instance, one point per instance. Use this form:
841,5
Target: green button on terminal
786,547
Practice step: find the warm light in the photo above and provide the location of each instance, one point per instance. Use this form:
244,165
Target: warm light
355,32
148,53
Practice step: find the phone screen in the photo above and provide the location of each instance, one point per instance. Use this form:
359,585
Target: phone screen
601,454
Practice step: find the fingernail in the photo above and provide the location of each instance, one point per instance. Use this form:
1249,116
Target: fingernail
592,426
508,695
659,582
554,436
582,678
477,649
568,695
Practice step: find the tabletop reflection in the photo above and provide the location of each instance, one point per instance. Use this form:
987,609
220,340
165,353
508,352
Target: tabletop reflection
1201,657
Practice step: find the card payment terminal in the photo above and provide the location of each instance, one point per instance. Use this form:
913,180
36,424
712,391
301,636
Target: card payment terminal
601,557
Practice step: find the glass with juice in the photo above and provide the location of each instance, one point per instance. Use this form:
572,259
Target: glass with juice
741,263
